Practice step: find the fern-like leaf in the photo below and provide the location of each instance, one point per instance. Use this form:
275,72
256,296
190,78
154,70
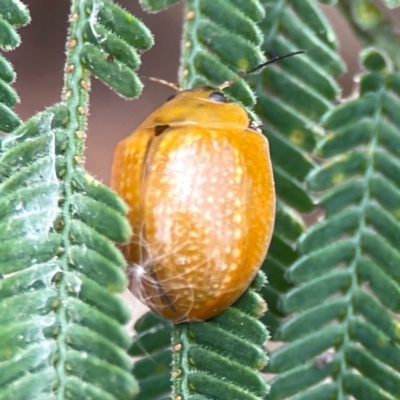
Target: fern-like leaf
343,338
12,14
153,344
220,358
371,24
293,96
60,321
214,359
221,38
113,38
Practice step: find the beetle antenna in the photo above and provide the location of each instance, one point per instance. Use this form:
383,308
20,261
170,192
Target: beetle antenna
174,86
257,68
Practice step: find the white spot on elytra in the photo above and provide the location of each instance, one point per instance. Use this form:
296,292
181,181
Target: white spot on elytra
237,218
181,261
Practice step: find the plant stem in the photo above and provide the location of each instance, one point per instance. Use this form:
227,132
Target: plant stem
180,363
190,44
75,96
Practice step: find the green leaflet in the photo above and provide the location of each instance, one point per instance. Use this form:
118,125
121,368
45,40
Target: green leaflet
157,5
112,37
354,250
251,8
293,95
12,14
153,343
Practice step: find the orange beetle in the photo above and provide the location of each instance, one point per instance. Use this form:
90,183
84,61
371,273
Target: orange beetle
198,181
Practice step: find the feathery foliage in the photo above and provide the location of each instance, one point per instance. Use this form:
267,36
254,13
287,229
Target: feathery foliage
372,25
347,331
60,321
220,39
12,14
153,344
219,358
112,39
293,96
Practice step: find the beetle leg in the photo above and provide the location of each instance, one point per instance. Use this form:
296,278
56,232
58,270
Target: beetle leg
255,127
